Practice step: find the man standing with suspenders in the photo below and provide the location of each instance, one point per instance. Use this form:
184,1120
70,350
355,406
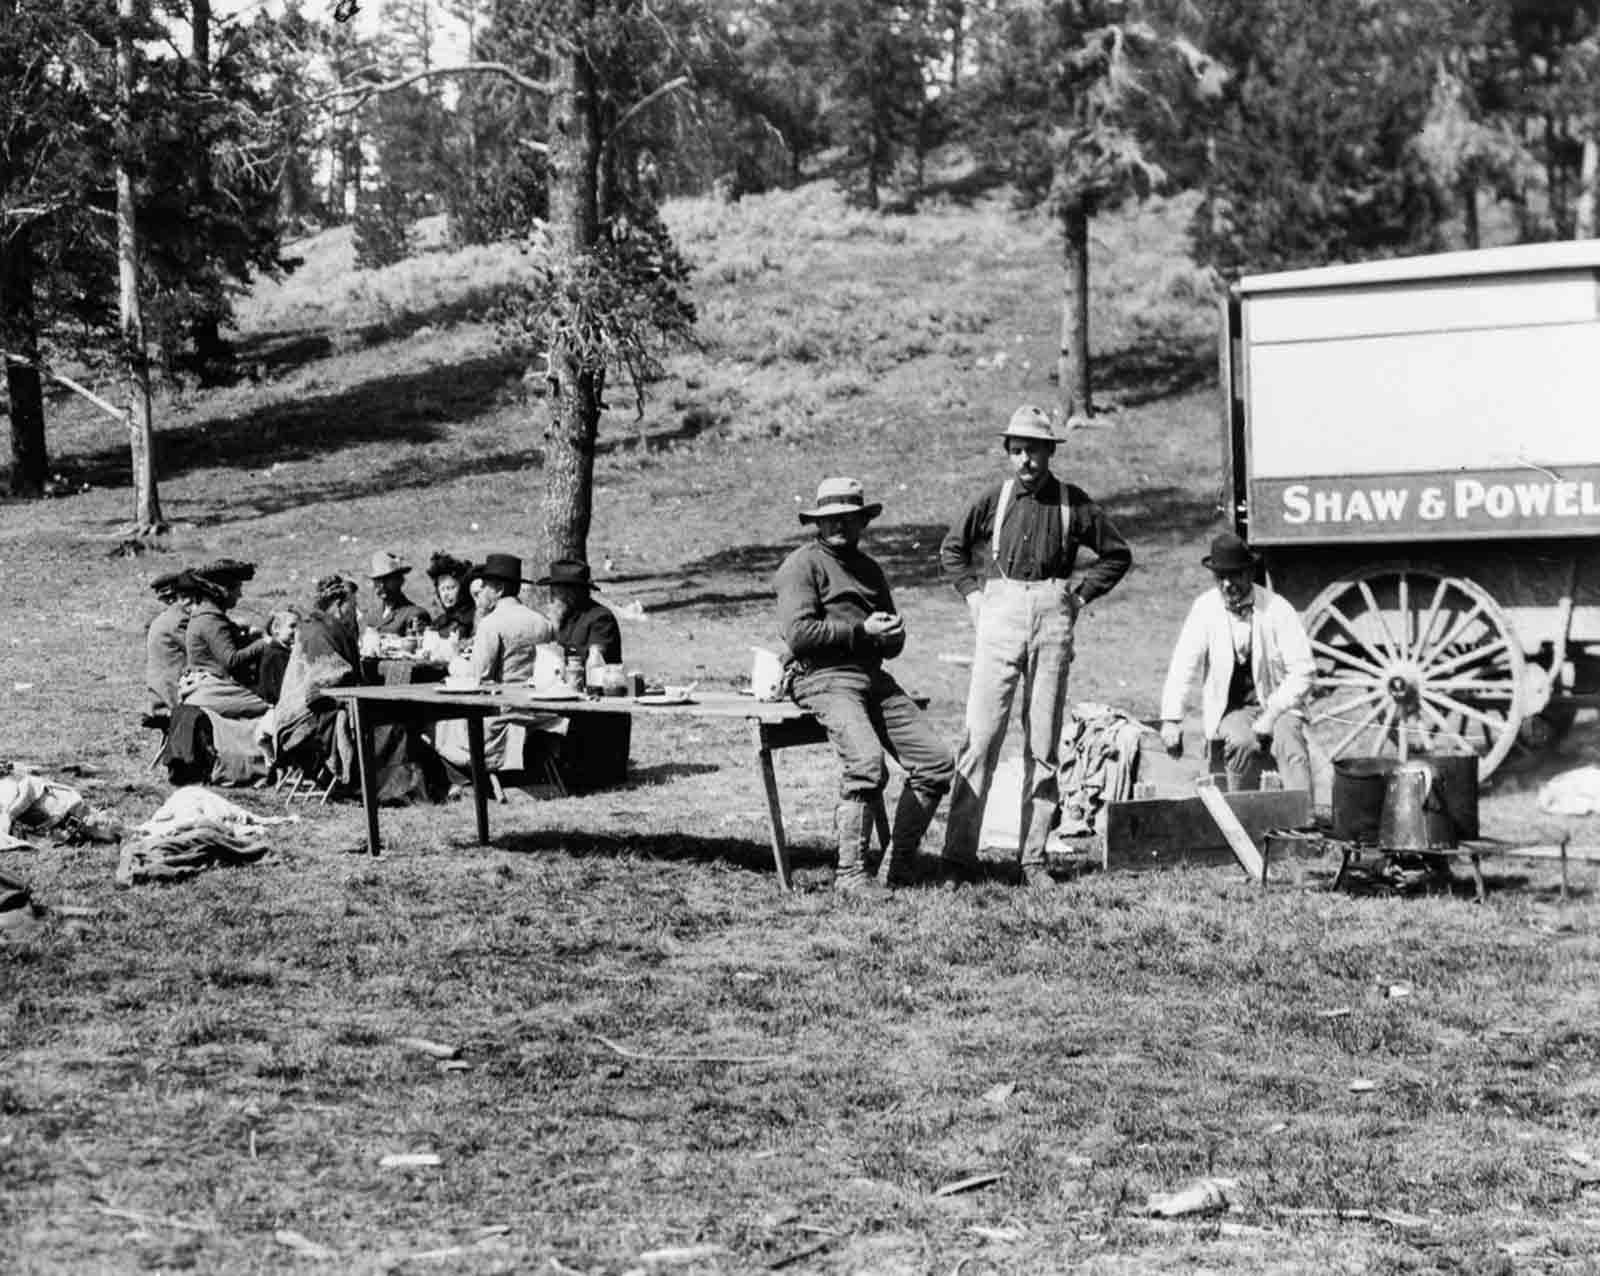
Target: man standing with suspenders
1029,528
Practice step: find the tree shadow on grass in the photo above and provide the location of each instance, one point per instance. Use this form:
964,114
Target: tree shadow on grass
670,848
1160,368
404,410
1160,512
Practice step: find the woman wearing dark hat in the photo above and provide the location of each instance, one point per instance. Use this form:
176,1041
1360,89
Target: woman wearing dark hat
221,655
457,615
1246,647
583,625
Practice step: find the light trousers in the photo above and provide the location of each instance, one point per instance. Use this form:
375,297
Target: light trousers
1024,641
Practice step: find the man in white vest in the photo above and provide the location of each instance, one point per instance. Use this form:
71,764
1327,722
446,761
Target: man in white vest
1024,534
1246,647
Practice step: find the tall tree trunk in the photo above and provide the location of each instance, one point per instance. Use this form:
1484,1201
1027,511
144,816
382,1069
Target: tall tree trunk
1470,228
212,354
1072,367
19,334
136,358
574,160
1584,218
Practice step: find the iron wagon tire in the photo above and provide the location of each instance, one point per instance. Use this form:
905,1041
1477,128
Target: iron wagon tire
1415,655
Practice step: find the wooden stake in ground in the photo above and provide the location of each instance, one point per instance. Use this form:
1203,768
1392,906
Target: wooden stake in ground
1238,840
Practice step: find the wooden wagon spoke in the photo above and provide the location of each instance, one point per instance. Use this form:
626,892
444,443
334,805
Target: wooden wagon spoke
1444,727
1344,622
1394,650
1387,725
1358,729
1346,658
1339,681
1329,710
1403,596
1428,621
1465,710
1500,690
1478,655
1452,632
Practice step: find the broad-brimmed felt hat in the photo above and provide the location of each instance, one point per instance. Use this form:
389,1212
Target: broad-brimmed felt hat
502,567
1029,422
1229,553
567,571
386,564
841,495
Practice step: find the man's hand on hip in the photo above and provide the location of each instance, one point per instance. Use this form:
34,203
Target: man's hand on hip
1172,737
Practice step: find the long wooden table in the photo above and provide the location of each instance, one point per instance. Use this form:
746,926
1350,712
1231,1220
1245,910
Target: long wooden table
772,725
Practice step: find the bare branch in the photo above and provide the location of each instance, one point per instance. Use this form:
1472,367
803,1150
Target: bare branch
62,379
362,93
622,122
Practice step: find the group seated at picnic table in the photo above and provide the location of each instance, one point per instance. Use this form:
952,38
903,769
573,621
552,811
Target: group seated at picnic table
239,703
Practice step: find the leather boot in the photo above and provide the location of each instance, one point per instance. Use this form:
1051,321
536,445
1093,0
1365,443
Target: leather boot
852,820
912,815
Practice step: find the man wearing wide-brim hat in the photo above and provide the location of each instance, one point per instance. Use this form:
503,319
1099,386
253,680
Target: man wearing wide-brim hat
583,625
838,618
397,614
503,650
1024,534
165,652
1246,647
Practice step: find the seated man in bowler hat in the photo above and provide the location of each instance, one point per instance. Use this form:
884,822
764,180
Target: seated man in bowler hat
503,649
1246,647
582,624
397,613
165,653
839,621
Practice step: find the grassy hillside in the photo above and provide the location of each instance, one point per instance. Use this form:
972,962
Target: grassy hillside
670,1065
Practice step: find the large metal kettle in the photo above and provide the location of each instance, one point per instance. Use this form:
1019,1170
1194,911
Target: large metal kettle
1415,815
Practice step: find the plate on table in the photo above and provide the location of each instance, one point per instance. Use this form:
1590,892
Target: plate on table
466,688
664,697
560,691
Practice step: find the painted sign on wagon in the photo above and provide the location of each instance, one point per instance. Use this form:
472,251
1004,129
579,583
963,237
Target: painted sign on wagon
1437,505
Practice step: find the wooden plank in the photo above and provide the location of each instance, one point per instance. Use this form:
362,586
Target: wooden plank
1216,804
1162,832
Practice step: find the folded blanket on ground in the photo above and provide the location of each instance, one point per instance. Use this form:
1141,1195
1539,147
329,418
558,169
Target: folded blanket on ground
165,857
193,830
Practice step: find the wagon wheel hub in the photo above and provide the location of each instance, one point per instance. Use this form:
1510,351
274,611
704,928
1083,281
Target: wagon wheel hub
1405,689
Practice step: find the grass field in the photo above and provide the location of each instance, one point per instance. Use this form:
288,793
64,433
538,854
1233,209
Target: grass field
671,1066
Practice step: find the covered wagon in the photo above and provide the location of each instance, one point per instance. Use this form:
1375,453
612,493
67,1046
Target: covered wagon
1414,445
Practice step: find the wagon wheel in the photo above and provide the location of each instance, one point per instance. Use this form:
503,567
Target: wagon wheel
1413,660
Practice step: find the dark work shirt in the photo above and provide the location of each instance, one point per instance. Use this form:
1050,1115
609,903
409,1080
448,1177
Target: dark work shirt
824,595
402,617
1033,544
591,625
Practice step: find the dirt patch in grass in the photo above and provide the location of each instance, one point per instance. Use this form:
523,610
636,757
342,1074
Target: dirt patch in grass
668,1063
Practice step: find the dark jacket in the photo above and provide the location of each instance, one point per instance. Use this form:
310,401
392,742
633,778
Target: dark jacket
214,644
592,625
824,595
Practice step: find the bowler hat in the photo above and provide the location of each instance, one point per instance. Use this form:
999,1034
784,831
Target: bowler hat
567,571
386,564
1029,422
502,567
1229,553
841,496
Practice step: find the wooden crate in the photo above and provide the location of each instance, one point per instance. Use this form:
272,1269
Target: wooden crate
1165,831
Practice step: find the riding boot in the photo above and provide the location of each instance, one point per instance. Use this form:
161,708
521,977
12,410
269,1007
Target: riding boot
912,815
852,820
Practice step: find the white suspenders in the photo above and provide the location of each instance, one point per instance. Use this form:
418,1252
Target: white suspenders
1006,489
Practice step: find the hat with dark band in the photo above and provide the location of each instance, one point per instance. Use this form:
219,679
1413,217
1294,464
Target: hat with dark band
1029,422
506,568
841,495
567,571
1229,553
386,564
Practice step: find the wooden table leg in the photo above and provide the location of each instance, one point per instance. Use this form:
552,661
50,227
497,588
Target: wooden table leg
769,784
366,762
480,777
